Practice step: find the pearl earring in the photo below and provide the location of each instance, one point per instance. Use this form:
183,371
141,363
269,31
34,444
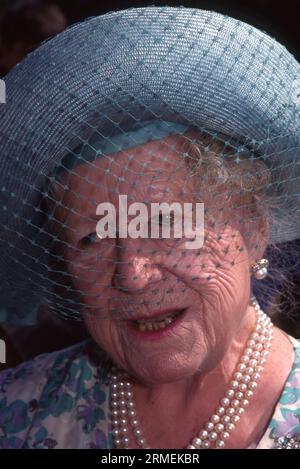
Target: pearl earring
259,270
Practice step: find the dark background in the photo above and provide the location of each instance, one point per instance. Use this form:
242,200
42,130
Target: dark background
279,19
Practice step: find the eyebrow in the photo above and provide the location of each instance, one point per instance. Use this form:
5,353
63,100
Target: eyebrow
83,220
93,217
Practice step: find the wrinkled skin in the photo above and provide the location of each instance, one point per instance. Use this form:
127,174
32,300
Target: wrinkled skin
178,379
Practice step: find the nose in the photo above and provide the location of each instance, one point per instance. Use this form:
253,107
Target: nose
136,267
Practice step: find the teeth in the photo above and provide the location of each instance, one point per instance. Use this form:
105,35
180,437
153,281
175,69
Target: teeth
155,325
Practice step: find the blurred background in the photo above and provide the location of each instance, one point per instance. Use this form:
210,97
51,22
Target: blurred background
24,24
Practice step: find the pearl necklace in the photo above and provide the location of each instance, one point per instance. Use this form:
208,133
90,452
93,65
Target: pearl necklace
231,407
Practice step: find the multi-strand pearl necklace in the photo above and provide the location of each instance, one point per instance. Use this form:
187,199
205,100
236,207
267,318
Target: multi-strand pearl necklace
231,407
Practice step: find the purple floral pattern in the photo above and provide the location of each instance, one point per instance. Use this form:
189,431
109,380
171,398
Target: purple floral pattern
41,398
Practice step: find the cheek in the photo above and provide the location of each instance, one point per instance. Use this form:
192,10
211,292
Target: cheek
102,332
218,274
107,335
223,255
91,272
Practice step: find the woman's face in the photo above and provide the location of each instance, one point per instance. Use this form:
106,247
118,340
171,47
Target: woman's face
124,278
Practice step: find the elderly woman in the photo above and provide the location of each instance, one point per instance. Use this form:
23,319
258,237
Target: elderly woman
199,113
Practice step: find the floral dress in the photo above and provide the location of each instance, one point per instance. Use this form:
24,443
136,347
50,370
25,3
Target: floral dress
61,400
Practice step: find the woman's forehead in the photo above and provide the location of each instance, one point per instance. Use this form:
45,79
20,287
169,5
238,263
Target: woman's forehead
152,172
151,161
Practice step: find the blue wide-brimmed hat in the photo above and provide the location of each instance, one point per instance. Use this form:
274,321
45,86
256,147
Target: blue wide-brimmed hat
110,74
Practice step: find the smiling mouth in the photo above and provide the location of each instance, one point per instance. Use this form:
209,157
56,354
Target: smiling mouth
161,322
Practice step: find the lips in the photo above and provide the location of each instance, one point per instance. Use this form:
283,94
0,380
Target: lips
157,315
157,324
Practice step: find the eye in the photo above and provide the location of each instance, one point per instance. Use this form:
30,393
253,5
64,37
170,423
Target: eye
90,239
165,219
